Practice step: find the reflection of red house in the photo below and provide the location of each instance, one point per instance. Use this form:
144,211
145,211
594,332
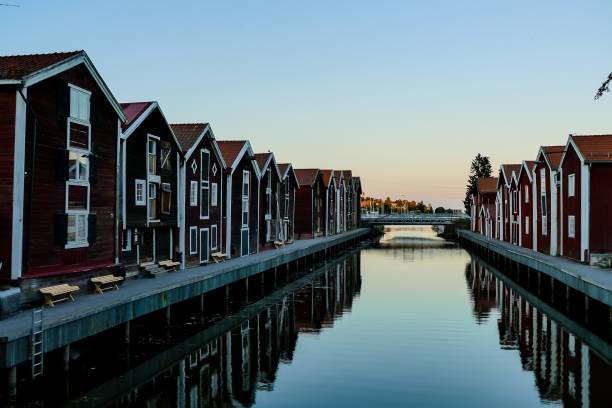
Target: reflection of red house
526,204
59,128
586,194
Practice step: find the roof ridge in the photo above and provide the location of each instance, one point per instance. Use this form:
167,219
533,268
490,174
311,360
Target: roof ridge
42,53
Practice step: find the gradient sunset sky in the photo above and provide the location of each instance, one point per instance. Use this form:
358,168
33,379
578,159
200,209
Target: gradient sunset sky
405,93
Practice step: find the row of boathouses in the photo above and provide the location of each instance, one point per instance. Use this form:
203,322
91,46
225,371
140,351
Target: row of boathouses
556,204
90,186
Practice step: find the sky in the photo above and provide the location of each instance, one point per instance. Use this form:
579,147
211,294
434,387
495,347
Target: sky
404,93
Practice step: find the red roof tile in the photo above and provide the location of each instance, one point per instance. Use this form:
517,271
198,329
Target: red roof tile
18,66
283,168
554,155
508,169
595,147
133,110
327,176
188,133
486,185
261,159
230,150
306,177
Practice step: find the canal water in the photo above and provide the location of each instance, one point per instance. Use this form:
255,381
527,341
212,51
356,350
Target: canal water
409,321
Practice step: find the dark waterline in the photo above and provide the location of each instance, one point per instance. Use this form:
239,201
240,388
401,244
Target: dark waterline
411,321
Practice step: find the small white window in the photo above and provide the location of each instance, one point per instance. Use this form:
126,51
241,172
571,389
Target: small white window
544,225
571,226
213,238
127,240
140,192
79,104
571,185
193,240
193,194
527,225
526,194
213,194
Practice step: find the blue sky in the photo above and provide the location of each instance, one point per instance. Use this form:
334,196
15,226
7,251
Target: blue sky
403,92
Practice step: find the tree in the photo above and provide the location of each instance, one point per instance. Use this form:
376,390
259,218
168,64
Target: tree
388,206
480,167
440,210
421,207
605,87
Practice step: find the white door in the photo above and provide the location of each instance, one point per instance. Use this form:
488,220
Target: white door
204,245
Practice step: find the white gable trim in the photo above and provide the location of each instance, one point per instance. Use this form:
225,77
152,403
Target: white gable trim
215,146
71,62
143,116
246,148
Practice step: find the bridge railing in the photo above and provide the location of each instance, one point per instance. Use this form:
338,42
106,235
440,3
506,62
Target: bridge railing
413,218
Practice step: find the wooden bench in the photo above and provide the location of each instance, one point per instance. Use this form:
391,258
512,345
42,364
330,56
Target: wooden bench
218,257
58,293
170,264
106,282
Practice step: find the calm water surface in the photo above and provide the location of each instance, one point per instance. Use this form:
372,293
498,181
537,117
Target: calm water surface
411,322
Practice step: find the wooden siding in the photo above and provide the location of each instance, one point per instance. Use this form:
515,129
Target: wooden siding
304,213
216,213
543,238
7,150
263,243
572,205
600,240
525,188
50,103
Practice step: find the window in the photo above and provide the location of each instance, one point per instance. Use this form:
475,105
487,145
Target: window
204,183
193,240
152,201
193,194
246,182
166,198
526,194
152,155
526,225
214,240
77,186
213,194
164,156
140,192
571,226
268,214
127,240
571,185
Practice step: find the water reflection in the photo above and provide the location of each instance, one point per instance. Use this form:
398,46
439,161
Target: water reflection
233,367
565,369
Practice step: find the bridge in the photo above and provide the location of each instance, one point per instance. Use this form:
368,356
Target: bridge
411,219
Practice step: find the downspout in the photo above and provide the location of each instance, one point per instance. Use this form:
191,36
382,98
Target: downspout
32,173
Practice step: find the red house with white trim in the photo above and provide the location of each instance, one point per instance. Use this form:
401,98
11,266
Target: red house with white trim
485,205
269,206
502,203
332,215
586,169
527,204
60,127
547,194
202,204
310,205
289,188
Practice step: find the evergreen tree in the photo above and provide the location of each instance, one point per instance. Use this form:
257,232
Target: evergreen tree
480,167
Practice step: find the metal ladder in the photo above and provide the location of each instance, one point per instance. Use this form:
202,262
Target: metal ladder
37,342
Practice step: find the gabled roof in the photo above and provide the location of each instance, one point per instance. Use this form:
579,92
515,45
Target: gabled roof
189,136
328,177
347,174
264,160
234,150
136,113
552,155
285,170
306,177
506,171
486,185
527,167
28,70
593,148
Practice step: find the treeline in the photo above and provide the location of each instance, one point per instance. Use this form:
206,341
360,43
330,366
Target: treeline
388,206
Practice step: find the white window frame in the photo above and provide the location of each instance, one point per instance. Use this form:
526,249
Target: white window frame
128,240
213,194
76,91
526,194
193,194
527,225
571,185
571,226
156,198
246,181
152,140
204,184
193,243
143,185
214,238
203,261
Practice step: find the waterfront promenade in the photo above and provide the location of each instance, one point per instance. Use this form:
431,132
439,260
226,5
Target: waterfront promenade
591,281
92,313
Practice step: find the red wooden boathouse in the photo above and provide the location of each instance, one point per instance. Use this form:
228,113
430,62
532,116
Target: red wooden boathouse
310,204
547,192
